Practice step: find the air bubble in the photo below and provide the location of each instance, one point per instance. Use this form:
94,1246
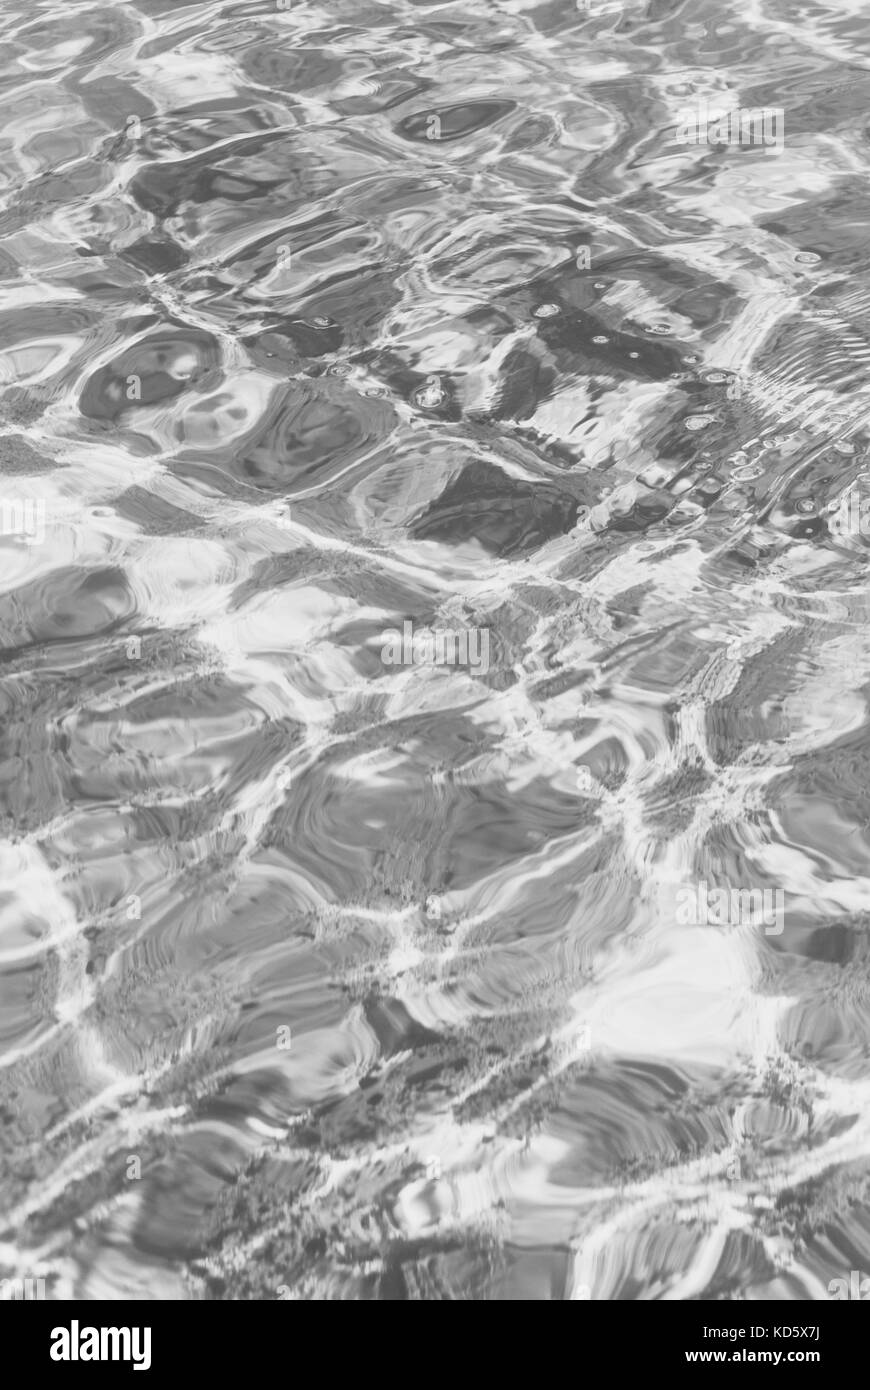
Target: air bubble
600,338
433,908
546,311
807,258
585,782
698,422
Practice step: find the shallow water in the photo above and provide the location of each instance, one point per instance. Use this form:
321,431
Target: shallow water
329,974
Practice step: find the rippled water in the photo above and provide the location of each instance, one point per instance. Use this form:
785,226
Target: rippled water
326,973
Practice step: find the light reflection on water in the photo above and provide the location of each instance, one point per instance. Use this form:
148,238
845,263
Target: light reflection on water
332,330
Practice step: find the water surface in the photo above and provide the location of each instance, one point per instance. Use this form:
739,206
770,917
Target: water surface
329,978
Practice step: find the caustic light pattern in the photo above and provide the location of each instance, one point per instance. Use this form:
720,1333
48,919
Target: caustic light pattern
434,810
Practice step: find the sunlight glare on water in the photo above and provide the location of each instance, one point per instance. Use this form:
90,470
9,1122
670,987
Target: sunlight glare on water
435,652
